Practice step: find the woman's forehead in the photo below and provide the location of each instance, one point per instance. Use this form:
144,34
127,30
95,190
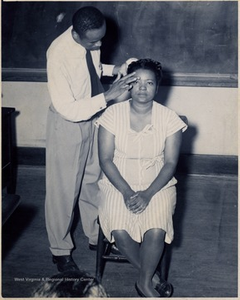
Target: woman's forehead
145,73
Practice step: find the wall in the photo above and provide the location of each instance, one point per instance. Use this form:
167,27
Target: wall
212,115
173,32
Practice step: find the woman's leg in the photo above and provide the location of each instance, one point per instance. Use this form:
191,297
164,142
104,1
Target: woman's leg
151,247
128,247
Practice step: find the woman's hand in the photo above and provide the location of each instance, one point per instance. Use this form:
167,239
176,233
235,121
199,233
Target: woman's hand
128,196
139,202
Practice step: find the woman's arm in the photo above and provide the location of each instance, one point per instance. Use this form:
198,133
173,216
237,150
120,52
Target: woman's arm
106,147
171,154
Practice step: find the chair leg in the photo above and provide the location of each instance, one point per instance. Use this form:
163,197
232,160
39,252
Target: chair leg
101,249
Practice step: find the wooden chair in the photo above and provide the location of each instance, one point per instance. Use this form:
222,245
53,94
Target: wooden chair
104,254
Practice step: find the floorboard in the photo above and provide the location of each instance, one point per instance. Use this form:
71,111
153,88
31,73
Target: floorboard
203,254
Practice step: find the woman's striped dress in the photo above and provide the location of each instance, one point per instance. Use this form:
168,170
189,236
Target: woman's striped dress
139,157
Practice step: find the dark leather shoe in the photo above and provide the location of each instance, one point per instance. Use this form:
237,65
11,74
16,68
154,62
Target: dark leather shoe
92,247
65,263
164,288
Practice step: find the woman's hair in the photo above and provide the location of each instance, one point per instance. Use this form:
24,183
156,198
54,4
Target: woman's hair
71,284
87,18
147,64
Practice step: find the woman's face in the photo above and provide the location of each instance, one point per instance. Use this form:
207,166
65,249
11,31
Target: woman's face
145,88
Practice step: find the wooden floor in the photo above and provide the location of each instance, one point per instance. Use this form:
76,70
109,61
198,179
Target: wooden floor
203,254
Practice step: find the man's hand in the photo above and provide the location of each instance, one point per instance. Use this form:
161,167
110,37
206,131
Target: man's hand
120,86
122,70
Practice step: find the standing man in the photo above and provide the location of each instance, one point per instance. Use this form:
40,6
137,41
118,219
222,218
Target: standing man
72,167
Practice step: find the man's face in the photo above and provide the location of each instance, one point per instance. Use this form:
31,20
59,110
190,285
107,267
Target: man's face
92,38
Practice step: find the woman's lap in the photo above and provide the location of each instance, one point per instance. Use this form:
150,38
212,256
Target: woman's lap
114,215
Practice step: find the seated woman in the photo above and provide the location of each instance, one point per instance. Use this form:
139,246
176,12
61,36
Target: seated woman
139,145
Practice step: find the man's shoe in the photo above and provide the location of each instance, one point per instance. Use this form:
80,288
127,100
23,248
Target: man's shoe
92,247
65,263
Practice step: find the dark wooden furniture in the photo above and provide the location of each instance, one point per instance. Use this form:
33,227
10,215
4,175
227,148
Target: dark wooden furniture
10,201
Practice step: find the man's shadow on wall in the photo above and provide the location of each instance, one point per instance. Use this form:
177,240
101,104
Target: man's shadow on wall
111,41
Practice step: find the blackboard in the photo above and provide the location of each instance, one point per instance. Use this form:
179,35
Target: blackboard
192,39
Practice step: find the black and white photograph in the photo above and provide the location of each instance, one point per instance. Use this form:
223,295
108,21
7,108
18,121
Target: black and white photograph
119,149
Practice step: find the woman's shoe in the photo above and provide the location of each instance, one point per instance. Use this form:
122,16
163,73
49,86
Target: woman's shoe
140,293
164,288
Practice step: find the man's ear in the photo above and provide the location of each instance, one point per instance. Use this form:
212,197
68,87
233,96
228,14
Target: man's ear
75,36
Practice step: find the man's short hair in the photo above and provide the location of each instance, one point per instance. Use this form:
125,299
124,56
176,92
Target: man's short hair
87,18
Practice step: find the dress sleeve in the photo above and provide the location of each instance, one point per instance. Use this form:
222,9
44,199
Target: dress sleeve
175,123
107,120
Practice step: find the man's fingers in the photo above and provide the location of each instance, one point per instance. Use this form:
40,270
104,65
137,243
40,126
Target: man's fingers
129,75
129,78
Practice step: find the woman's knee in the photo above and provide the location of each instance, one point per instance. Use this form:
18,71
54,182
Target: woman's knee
120,234
155,233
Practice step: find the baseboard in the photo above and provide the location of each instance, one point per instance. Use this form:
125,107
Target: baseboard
188,163
208,164
33,156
